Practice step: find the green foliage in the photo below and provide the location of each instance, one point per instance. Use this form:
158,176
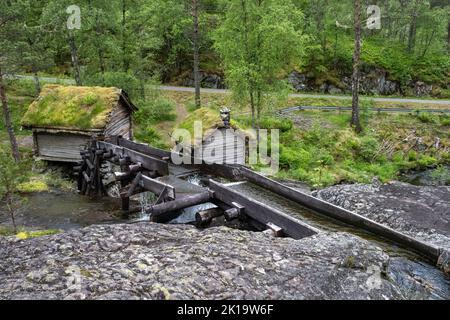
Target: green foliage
72,107
427,161
149,114
284,125
11,174
368,148
149,135
24,235
441,175
256,53
32,186
155,111
121,80
426,117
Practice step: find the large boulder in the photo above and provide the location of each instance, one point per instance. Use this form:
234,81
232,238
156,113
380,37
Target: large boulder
150,261
207,80
375,81
422,89
421,212
298,81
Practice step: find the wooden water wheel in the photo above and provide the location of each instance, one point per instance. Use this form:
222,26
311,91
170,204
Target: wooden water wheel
90,170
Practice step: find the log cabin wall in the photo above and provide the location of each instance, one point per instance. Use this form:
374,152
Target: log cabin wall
120,123
64,147
231,143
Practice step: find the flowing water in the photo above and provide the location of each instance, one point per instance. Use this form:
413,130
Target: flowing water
429,177
64,211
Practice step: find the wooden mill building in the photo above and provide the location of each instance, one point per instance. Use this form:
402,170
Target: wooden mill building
220,142
64,118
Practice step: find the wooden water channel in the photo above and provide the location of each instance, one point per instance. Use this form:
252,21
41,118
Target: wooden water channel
143,169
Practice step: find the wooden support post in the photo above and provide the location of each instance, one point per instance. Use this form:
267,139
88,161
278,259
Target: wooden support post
235,212
133,185
263,213
204,218
232,214
275,230
165,212
124,166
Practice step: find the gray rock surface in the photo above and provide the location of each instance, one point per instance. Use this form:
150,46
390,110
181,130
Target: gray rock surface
149,261
421,212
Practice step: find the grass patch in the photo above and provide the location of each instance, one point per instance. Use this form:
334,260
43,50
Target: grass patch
24,235
33,186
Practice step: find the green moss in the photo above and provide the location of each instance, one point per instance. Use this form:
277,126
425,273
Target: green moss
23,235
72,107
33,186
86,273
6,231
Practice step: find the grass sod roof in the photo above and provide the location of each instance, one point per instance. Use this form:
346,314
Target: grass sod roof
211,121
77,108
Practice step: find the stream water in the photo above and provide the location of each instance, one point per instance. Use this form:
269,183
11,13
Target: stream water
64,211
429,177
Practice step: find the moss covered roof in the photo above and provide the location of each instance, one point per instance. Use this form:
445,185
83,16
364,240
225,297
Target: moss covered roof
81,108
210,120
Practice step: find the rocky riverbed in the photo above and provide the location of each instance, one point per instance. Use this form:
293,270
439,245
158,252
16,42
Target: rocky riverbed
422,212
150,261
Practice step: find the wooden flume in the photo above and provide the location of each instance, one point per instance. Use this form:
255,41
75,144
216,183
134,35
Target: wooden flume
141,165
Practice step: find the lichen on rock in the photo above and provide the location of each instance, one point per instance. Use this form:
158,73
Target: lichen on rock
150,261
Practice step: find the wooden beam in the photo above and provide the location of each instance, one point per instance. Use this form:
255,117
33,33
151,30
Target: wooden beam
148,162
263,213
204,218
143,148
157,187
133,185
346,216
167,211
275,230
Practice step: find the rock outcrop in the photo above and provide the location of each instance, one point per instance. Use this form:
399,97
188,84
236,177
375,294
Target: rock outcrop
421,212
373,81
149,261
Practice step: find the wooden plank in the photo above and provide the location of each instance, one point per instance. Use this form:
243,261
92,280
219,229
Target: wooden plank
263,213
143,148
63,147
133,185
167,211
148,162
341,214
157,187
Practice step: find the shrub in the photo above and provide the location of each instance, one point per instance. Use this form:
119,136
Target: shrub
368,148
426,118
284,125
323,157
412,155
427,161
150,136
155,111
289,158
441,175
445,120
121,80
